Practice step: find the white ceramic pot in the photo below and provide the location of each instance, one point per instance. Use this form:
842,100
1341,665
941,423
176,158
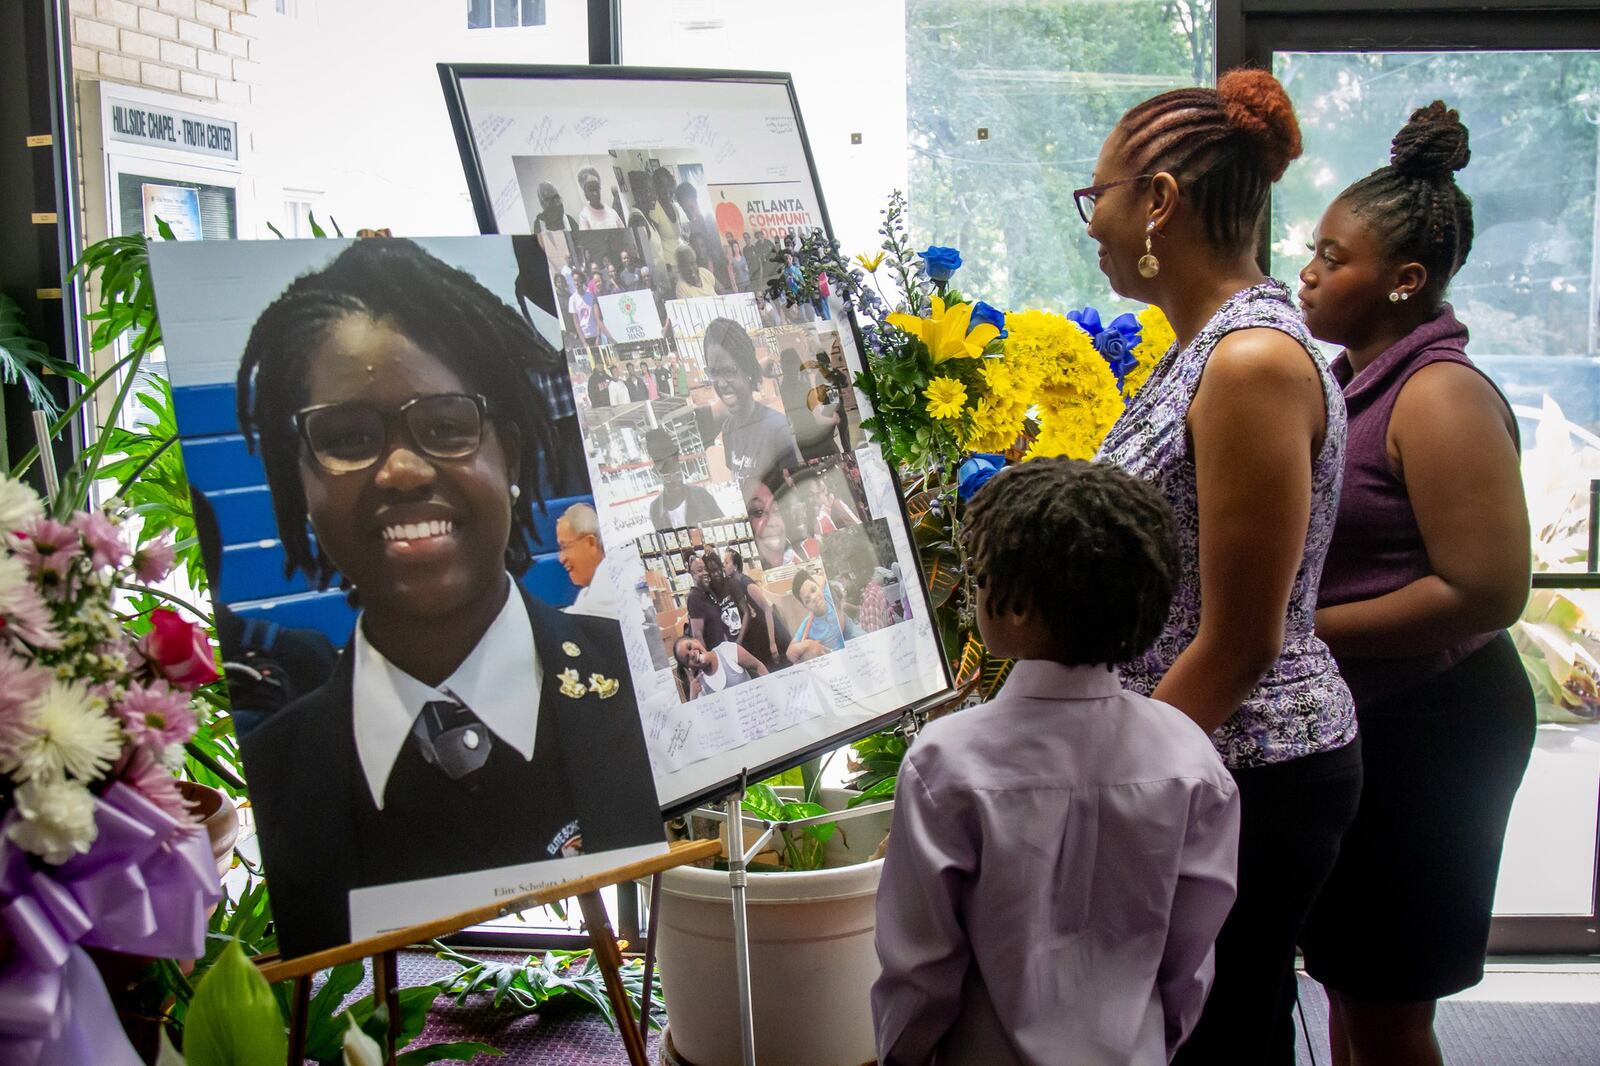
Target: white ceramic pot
812,962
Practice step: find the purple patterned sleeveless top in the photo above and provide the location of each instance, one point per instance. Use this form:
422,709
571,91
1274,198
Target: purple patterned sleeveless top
1301,705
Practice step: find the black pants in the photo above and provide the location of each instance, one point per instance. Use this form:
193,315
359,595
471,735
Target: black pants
1292,817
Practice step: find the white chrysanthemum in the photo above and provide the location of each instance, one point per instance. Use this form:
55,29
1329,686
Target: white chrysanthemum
76,737
57,819
19,505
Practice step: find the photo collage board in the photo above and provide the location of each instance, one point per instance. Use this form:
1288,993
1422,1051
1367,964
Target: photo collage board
739,503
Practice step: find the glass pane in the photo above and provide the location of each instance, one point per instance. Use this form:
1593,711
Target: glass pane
1530,294
1007,104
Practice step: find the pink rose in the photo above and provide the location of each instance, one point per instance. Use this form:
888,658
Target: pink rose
179,650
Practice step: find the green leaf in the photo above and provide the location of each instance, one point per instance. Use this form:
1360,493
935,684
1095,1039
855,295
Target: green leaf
234,1019
459,1051
164,229
276,232
881,791
325,1033
24,358
762,802
316,230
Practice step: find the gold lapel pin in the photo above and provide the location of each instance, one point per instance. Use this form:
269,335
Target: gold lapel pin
571,686
602,686
572,650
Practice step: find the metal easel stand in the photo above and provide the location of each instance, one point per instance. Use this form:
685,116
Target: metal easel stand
738,863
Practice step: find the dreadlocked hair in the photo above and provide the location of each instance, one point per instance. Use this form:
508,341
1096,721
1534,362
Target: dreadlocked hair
1225,146
1091,549
1413,205
445,312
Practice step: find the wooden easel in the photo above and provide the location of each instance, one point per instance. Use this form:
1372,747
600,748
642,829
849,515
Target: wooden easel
381,949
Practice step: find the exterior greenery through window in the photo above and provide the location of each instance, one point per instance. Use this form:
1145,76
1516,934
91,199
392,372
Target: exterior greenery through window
1047,81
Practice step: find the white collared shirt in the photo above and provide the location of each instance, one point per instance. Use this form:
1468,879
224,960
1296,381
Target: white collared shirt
499,681
601,597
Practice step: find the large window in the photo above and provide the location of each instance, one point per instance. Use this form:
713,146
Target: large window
1007,103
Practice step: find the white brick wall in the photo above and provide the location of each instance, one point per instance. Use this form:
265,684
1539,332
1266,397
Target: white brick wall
196,34
200,48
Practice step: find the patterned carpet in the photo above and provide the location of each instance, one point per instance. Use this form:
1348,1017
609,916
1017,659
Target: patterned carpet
559,1036
1534,1018
1537,1017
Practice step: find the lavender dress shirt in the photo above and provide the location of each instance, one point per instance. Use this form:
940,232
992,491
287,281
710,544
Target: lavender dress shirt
1061,861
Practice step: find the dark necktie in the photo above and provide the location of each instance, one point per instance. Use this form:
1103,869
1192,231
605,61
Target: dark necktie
452,738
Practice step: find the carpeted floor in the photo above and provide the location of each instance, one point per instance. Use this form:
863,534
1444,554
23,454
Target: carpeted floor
1540,1015
559,1036
1533,1017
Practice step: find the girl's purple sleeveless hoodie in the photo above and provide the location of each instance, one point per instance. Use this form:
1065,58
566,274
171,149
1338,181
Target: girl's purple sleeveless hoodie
1377,547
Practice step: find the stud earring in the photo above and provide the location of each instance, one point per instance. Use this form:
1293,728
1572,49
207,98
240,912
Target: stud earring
1396,296
516,492
1149,265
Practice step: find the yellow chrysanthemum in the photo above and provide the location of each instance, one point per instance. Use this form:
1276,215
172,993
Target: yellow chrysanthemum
945,331
1155,340
947,398
995,426
870,264
1052,364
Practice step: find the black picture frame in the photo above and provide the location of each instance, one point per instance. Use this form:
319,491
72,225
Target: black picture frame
451,76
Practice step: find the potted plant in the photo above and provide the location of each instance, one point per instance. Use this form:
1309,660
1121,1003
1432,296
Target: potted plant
809,912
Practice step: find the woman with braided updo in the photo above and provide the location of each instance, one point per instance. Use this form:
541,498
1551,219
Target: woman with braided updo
1241,427
1429,564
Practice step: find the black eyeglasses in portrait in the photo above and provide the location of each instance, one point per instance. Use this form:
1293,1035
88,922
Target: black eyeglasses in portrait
351,436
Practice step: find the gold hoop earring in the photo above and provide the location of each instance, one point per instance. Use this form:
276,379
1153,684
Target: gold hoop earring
1149,265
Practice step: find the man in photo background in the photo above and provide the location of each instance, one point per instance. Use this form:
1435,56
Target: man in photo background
584,558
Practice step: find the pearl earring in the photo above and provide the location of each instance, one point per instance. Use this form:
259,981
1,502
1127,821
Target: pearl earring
1397,296
516,492
1149,265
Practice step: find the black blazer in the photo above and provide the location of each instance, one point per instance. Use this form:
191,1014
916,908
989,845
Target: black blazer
305,777
700,507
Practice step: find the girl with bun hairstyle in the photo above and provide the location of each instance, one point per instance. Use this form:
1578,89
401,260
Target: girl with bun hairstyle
1429,564
1242,429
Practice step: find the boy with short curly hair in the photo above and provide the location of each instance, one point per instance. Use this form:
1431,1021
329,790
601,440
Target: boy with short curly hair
1062,857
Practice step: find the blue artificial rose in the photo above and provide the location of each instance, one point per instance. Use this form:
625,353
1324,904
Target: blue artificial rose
1115,342
1118,353
982,312
940,262
974,473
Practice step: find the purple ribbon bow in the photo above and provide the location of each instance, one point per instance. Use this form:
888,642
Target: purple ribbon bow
143,888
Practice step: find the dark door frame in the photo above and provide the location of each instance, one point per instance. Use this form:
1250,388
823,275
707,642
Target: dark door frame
1250,31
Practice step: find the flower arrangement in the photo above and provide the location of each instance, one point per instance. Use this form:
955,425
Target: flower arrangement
959,388
97,845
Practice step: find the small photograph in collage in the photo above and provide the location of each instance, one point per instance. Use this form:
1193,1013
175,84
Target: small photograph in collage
799,574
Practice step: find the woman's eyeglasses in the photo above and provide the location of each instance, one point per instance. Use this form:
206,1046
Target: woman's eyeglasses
1085,198
351,436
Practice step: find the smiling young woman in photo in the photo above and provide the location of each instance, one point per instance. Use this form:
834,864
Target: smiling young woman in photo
391,399
758,441
1429,565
